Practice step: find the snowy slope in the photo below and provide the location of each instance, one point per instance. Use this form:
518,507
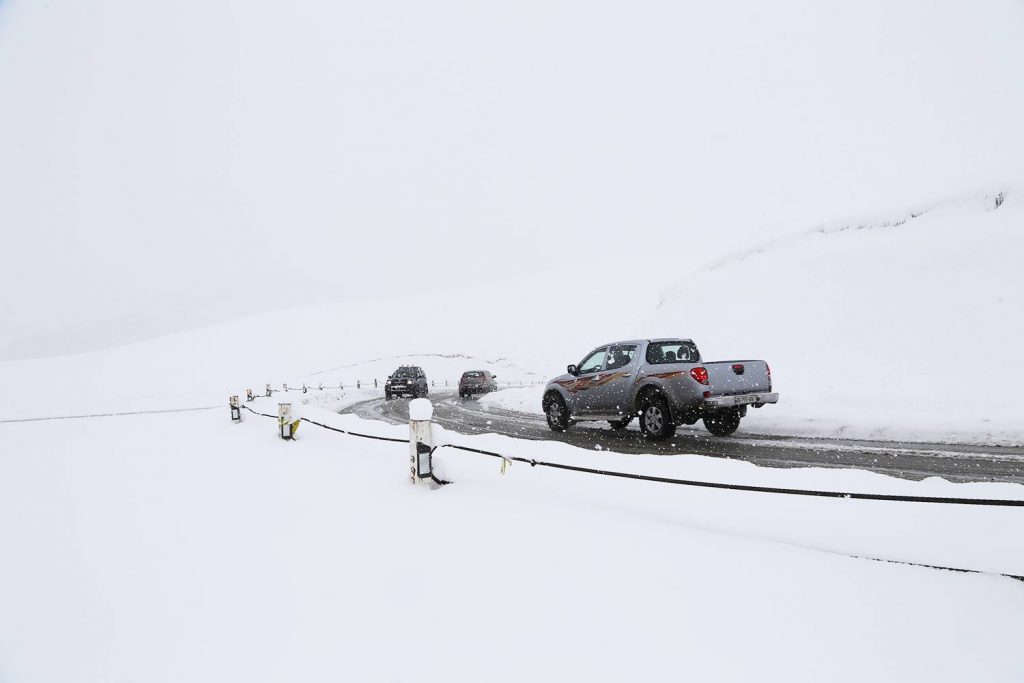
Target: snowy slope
182,547
904,327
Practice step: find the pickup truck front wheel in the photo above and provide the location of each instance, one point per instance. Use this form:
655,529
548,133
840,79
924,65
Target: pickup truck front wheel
556,412
655,420
723,422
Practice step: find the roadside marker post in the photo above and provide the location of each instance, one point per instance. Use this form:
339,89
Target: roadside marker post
268,391
236,409
248,396
421,442
286,426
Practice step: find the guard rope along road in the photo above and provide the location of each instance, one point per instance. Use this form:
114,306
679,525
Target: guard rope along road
333,429
506,460
744,487
132,412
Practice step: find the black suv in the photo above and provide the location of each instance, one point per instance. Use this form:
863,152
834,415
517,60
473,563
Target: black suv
408,379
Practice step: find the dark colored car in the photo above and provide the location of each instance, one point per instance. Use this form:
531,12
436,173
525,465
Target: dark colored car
476,382
408,379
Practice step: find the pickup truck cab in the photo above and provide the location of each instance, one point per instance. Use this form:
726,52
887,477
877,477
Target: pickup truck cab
664,382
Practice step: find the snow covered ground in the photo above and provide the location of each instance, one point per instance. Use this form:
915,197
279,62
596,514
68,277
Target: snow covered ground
183,547
501,188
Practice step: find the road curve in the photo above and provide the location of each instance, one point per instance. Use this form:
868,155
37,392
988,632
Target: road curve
907,460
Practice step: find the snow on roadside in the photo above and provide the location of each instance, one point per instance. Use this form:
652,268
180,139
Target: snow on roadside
224,553
520,399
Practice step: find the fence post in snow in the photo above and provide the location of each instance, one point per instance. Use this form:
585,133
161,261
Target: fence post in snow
285,385
286,426
358,385
421,441
248,396
268,391
236,410
303,387
321,386
374,382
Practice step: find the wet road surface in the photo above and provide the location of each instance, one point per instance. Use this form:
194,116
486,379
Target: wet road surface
907,460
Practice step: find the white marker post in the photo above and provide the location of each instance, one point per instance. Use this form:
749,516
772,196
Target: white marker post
248,396
421,441
284,420
236,410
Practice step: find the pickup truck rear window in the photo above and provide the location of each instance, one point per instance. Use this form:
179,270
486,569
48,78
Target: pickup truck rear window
660,353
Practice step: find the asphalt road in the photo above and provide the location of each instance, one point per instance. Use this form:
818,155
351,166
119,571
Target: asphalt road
907,460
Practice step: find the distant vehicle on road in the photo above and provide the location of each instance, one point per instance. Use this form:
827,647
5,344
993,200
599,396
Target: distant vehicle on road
664,382
477,382
408,379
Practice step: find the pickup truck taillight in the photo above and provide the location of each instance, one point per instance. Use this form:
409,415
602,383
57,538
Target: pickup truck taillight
700,375
769,369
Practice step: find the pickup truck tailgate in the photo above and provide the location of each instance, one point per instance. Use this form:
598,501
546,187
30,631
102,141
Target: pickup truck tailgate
730,377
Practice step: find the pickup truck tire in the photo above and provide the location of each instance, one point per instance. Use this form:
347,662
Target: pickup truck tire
723,422
556,412
655,418
387,395
619,425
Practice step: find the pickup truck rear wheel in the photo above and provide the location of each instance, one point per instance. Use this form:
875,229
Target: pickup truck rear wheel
723,422
556,412
655,419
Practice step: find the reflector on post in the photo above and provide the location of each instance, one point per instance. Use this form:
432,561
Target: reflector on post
236,410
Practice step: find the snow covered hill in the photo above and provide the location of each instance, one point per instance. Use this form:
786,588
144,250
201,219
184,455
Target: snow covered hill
900,327
907,327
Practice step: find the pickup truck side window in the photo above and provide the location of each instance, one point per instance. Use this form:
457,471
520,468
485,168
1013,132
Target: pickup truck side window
620,356
660,353
593,362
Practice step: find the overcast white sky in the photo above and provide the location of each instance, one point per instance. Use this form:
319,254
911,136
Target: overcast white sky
156,156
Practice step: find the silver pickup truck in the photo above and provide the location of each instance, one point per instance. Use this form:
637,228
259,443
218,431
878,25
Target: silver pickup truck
664,382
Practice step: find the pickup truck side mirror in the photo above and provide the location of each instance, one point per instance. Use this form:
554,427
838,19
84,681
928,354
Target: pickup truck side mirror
494,377
572,370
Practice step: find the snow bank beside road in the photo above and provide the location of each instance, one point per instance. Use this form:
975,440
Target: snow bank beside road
520,399
223,553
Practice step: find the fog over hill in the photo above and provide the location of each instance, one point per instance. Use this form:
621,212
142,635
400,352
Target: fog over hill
157,156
